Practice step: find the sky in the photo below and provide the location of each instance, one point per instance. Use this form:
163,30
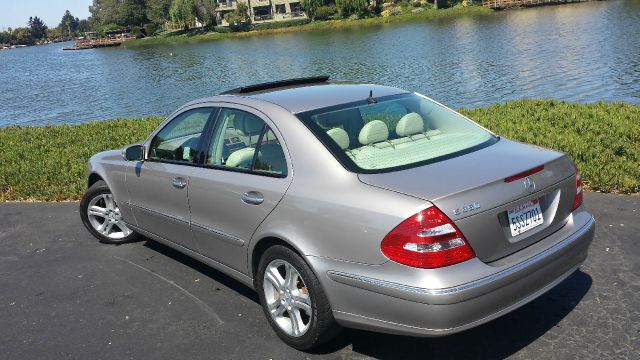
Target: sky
15,13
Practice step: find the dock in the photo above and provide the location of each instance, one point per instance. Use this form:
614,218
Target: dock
95,43
506,4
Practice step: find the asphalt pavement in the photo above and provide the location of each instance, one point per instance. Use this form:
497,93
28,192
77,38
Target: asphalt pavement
63,295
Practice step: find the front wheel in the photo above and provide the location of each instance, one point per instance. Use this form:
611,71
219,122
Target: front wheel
293,300
101,216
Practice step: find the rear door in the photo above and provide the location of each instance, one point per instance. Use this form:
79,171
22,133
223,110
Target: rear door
158,187
243,177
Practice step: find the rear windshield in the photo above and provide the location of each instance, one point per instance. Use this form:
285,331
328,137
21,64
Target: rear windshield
394,132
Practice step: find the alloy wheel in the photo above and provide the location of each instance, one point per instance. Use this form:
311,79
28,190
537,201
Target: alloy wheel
105,217
287,298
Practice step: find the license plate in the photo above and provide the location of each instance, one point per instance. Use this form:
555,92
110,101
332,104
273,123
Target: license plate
525,217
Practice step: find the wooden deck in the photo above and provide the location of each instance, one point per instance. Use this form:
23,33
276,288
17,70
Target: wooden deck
505,4
95,43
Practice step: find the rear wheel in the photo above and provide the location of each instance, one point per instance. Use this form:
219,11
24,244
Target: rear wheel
293,301
101,216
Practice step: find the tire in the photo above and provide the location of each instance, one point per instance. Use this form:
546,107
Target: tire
104,221
313,329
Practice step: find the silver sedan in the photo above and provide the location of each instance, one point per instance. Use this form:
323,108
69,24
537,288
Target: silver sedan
346,204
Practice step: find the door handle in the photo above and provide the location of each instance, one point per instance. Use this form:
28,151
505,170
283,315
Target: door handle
252,198
179,183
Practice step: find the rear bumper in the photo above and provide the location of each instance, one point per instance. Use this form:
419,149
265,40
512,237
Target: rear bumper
398,299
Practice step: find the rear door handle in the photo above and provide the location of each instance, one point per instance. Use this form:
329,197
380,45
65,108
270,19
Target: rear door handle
252,198
179,183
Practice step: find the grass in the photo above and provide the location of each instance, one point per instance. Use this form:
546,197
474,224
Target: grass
407,16
49,163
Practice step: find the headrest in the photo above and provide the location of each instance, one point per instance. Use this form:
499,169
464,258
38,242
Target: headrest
340,137
373,132
247,124
410,124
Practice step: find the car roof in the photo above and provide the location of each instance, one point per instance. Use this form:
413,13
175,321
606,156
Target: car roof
298,96
301,98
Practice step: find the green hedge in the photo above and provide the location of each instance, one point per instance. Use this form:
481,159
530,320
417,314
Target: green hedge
280,24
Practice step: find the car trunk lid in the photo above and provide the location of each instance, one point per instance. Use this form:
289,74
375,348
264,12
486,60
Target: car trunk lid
472,191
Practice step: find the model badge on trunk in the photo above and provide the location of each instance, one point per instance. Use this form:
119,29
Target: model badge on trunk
467,208
529,184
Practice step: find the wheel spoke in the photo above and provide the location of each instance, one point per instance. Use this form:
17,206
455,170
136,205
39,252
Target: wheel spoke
110,204
97,211
301,303
274,277
125,230
291,276
276,308
296,321
105,228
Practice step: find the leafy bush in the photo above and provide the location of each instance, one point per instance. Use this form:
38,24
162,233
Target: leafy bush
222,29
239,17
150,29
311,6
327,12
347,8
416,4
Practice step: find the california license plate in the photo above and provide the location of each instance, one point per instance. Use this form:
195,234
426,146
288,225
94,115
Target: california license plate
525,217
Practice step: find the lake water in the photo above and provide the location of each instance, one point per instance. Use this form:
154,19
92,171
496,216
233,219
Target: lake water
578,52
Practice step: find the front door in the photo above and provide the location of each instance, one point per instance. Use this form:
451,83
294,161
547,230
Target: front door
244,176
158,187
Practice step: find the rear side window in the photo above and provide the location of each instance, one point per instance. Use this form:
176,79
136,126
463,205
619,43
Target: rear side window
242,140
395,132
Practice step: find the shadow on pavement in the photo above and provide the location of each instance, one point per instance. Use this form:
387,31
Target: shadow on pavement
495,340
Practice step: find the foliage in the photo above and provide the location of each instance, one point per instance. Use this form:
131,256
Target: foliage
183,12
121,12
347,8
326,12
37,28
102,30
158,10
5,37
238,17
150,29
206,11
69,23
311,7
83,26
22,36
603,139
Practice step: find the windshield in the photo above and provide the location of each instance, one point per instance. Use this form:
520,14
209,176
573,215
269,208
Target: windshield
395,132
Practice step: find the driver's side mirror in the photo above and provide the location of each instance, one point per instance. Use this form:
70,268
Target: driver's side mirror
133,153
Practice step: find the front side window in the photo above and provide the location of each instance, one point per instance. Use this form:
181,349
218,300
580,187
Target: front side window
242,140
179,140
394,132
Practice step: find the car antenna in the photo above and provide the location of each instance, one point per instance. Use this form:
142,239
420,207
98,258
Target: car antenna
371,100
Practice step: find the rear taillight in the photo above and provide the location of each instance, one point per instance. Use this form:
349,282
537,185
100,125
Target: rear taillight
428,239
577,199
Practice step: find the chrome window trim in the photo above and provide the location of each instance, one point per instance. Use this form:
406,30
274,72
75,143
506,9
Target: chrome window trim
339,276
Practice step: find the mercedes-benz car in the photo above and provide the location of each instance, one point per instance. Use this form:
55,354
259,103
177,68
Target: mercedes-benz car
348,205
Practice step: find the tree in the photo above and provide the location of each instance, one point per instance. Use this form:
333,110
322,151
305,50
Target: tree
239,16
158,10
311,6
68,23
206,11
351,7
22,36
121,12
4,37
37,28
183,12
83,26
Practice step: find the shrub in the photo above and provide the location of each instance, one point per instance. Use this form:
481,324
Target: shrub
150,29
222,29
326,12
416,4
346,8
